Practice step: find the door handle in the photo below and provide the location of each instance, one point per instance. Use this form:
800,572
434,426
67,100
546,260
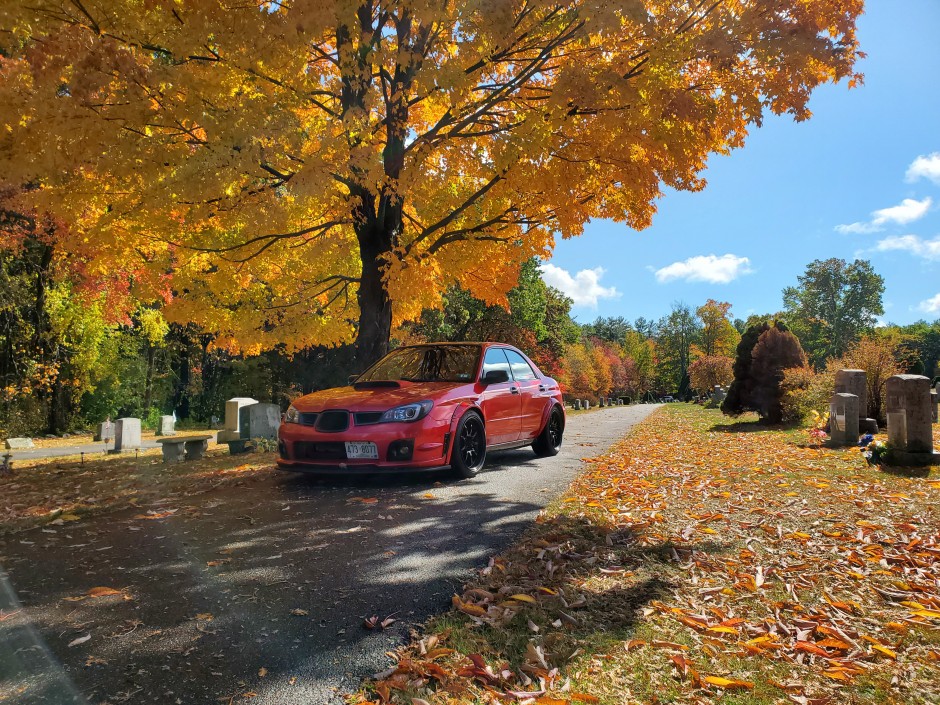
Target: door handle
514,390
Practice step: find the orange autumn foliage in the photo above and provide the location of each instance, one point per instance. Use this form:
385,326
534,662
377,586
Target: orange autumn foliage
314,171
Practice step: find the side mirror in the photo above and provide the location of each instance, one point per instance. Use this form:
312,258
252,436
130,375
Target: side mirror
353,378
494,377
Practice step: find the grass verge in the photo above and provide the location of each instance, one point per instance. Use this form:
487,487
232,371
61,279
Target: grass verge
700,560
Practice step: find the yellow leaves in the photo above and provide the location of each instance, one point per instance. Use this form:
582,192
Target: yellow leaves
926,613
467,608
524,598
727,683
885,651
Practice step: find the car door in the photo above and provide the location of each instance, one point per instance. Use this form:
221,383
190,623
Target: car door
501,403
532,393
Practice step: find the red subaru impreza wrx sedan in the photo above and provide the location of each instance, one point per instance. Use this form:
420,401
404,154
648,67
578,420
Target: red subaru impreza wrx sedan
425,407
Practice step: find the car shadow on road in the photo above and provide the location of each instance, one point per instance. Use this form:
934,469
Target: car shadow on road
217,588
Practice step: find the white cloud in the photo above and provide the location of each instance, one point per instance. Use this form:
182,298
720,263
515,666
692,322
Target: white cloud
584,288
927,249
925,167
907,211
931,305
706,268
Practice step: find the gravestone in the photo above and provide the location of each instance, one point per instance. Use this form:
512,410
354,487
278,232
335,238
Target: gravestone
166,427
259,421
19,443
843,420
105,432
910,429
577,405
933,405
232,431
587,404
856,382
126,435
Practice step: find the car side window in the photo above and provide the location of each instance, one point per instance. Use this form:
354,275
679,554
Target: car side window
521,370
495,359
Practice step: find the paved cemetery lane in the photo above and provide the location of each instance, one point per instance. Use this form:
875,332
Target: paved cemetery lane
261,589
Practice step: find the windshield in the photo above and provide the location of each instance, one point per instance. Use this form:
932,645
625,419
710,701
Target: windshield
427,363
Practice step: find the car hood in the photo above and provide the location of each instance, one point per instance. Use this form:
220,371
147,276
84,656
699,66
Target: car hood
373,398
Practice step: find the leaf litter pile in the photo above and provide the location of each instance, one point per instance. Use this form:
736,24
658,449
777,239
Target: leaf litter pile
701,560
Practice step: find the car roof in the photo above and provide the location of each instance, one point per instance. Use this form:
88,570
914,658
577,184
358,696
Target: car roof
484,344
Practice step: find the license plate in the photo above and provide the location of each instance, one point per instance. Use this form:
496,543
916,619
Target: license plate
361,450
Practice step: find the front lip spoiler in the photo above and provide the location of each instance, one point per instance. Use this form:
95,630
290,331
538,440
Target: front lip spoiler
318,469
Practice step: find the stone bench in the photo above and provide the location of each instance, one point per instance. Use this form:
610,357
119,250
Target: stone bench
180,448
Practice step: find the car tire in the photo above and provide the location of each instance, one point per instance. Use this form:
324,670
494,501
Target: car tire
549,441
469,452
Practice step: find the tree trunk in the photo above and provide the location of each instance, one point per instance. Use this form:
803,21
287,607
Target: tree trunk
148,385
375,306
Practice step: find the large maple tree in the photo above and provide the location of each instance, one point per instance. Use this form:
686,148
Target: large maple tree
318,171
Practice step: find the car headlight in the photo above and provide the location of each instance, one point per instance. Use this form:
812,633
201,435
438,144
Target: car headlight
408,412
292,415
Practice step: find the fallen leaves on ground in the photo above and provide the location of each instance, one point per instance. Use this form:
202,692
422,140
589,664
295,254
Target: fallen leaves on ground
700,557
59,491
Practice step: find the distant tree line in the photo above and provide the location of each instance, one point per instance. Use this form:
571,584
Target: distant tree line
75,349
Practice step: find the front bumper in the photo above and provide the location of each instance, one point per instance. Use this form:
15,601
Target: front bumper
358,469
304,449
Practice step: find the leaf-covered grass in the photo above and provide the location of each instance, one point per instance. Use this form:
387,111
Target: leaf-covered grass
65,489
702,559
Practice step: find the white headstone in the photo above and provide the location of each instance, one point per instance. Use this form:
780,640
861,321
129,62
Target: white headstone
260,420
166,426
233,407
126,434
19,443
105,431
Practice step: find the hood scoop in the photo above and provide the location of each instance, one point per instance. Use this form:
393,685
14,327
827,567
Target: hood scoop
377,384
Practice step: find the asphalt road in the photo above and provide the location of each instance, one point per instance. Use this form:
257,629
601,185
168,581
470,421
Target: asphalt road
262,588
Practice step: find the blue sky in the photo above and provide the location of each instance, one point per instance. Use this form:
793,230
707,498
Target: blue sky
861,178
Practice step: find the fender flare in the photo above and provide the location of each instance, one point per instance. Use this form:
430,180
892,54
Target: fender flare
461,409
548,412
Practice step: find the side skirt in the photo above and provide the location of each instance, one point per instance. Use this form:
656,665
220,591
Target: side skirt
510,445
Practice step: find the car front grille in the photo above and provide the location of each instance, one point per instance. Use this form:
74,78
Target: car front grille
333,421
366,418
322,450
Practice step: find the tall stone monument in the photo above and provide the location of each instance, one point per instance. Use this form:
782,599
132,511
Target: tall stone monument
843,420
910,428
855,382
126,435
232,430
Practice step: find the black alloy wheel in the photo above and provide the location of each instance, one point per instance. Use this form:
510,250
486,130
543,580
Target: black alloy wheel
549,440
469,445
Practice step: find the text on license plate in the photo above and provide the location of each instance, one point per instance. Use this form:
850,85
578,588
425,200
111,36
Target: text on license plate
361,449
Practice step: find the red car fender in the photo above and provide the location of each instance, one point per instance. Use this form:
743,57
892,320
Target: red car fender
548,412
461,408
